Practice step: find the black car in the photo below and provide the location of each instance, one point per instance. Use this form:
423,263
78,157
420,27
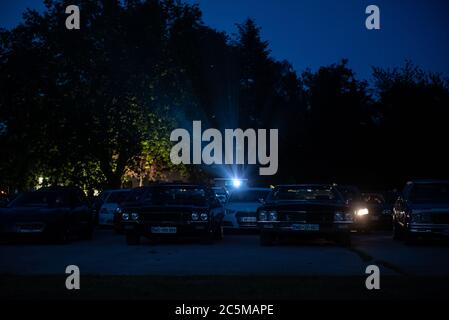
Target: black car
57,212
422,210
306,209
172,210
363,220
379,211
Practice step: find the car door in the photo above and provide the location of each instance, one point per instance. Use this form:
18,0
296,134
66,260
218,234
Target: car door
80,211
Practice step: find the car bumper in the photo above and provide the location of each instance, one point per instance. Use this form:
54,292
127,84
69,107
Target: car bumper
429,229
29,229
306,229
182,229
249,222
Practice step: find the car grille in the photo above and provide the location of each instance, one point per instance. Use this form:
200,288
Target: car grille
165,217
440,218
307,217
241,214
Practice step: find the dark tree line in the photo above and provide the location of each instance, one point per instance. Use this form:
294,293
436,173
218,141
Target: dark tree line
96,105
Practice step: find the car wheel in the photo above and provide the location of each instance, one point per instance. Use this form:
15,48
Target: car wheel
344,240
132,239
266,239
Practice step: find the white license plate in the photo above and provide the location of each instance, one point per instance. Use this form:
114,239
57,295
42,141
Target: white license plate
248,219
306,227
163,230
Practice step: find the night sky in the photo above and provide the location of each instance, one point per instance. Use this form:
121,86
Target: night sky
312,33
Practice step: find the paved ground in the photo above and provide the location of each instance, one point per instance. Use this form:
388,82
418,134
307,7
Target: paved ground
108,254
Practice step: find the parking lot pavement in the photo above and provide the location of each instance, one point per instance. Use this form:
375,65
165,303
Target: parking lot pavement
108,254
425,258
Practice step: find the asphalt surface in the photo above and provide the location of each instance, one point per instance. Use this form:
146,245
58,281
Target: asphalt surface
107,254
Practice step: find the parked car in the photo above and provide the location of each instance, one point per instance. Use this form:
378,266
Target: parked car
96,205
221,193
308,209
353,198
241,207
380,213
172,210
422,210
111,202
57,212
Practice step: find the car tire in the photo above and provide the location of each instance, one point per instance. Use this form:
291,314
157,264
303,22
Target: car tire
132,239
266,239
344,240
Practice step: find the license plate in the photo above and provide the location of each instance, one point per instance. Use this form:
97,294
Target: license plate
163,230
20,230
248,219
375,218
306,227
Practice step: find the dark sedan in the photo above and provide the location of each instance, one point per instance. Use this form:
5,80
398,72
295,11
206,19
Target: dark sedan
57,212
313,210
422,210
172,210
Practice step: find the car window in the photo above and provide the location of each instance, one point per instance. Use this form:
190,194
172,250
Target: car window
248,195
305,193
423,193
41,199
117,197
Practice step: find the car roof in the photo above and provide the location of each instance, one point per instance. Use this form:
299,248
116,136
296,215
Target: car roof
423,181
251,189
305,185
116,190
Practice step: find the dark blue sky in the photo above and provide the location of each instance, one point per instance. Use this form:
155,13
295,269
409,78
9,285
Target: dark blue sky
311,33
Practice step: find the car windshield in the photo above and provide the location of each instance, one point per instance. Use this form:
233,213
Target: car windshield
175,196
306,193
248,195
350,193
423,193
117,197
40,199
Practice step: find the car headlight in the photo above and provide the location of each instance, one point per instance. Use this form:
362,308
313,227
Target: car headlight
343,216
204,216
362,212
263,216
195,216
134,216
125,216
273,216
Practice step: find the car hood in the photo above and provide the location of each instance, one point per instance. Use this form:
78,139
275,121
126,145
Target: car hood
429,206
30,213
243,206
162,208
304,206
